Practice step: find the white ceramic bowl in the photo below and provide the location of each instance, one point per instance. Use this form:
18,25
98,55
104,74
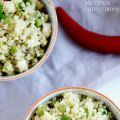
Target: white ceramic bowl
52,13
114,109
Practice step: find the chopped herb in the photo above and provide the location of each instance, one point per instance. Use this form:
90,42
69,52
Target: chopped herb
1,8
83,97
8,20
87,112
59,98
64,117
1,44
51,104
62,108
2,13
41,110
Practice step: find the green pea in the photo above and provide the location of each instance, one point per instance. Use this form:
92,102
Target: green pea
30,1
21,5
8,20
41,110
62,108
38,23
64,117
13,49
104,112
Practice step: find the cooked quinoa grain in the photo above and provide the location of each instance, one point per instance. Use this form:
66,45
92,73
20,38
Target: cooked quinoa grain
25,29
73,106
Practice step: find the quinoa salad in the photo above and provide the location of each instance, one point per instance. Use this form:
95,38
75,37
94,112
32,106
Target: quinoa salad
73,106
25,30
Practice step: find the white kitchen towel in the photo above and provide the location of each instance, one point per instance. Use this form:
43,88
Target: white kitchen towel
68,65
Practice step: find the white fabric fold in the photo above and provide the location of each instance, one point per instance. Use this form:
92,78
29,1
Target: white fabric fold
68,65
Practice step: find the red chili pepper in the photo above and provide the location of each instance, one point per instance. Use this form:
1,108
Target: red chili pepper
87,39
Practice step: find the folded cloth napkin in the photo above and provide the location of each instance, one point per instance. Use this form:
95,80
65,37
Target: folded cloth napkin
68,65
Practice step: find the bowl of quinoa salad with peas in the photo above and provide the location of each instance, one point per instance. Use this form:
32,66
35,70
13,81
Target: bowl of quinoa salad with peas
28,31
74,104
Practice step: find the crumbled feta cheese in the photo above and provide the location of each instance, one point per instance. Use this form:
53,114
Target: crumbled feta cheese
8,68
22,65
20,25
17,1
47,29
2,57
9,6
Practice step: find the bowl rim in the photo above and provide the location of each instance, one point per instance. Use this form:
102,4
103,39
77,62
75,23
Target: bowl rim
69,88
47,53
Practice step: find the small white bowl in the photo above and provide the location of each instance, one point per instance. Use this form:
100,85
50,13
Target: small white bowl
114,109
52,13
